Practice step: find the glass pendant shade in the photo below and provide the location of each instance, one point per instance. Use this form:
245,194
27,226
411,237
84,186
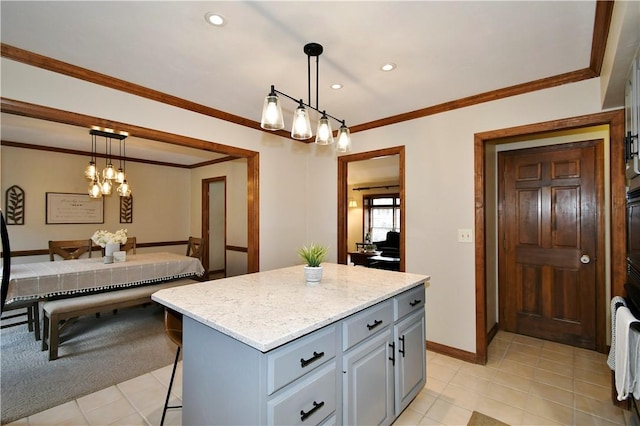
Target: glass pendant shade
301,128
272,118
94,189
324,134
124,190
109,172
343,138
120,177
90,171
105,187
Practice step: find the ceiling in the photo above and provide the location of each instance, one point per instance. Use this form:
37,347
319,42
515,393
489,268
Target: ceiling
443,50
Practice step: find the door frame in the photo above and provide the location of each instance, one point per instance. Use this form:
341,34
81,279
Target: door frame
343,165
615,121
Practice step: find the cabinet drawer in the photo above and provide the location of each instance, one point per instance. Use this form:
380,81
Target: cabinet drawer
408,302
299,357
308,402
366,323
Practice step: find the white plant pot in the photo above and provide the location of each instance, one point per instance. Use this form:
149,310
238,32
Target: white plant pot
109,249
313,274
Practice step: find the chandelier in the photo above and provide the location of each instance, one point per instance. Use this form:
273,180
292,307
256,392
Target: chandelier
101,183
272,118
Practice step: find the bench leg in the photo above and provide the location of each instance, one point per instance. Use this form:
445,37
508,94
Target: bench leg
36,319
54,337
45,331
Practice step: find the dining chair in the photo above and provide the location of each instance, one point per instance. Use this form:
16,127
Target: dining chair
29,309
173,328
69,249
129,245
195,247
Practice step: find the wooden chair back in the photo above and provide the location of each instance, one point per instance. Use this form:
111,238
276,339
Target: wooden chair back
129,245
195,247
69,249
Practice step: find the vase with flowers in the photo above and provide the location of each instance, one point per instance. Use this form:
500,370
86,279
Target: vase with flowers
110,241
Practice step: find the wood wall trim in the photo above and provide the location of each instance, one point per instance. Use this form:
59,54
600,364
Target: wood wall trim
26,109
452,352
40,252
615,121
237,248
99,155
494,95
602,22
50,64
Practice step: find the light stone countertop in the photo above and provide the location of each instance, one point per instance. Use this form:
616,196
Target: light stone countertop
268,309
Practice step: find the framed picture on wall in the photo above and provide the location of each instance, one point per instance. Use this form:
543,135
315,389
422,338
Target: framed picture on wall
70,208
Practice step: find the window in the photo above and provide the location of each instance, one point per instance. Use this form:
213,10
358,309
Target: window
381,215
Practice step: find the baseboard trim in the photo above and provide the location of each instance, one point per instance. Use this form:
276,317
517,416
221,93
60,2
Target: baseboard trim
453,352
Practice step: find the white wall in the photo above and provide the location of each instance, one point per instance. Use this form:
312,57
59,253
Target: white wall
38,172
440,193
298,182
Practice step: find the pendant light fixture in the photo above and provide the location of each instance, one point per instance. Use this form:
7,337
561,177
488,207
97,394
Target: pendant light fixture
102,183
272,118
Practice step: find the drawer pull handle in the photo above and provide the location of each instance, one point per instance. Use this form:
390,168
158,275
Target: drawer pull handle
401,349
374,325
316,407
316,356
415,302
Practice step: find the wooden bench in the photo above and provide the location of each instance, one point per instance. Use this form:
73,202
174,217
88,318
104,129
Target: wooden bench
56,311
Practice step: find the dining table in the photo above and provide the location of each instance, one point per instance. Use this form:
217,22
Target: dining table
66,278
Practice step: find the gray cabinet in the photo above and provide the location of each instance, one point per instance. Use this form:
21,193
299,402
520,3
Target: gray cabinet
410,369
384,364
360,370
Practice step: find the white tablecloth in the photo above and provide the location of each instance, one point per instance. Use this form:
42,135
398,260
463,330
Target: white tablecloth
42,280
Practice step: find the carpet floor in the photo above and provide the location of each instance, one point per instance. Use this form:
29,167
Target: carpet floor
95,353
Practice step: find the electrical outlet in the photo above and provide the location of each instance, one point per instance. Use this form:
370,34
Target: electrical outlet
465,235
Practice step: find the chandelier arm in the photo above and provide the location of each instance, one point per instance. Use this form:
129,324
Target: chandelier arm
317,78
307,105
309,78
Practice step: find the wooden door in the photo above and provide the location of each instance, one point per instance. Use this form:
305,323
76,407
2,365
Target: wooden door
549,227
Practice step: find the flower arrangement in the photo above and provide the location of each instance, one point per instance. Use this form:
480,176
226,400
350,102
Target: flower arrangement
102,237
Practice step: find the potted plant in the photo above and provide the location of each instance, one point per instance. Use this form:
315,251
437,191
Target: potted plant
313,255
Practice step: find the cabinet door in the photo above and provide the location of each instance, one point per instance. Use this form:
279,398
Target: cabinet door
411,367
368,382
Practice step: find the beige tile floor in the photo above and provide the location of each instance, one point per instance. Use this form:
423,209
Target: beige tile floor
526,381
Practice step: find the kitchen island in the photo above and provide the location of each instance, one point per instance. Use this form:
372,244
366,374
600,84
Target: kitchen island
265,348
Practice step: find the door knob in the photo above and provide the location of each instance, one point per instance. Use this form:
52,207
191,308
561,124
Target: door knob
585,258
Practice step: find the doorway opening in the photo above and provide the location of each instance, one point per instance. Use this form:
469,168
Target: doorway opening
353,230
486,237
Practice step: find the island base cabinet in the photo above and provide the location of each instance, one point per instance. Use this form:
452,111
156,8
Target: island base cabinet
216,370
368,382
410,370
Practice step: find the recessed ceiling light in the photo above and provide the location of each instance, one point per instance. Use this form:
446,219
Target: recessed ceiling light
215,19
388,66
336,86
